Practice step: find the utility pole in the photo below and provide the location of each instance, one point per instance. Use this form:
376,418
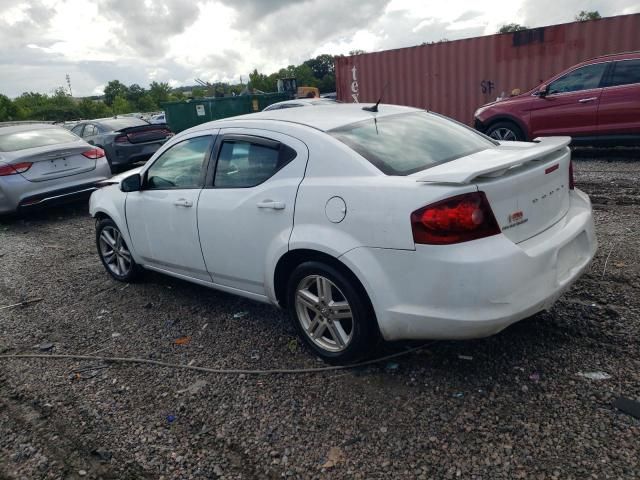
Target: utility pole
69,83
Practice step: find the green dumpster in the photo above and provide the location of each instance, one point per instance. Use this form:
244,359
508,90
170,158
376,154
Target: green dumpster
186,114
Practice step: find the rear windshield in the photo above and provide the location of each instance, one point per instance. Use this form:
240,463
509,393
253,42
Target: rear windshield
406,143
12,142
120,123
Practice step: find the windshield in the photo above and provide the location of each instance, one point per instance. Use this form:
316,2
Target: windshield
120,123
12,142
406,143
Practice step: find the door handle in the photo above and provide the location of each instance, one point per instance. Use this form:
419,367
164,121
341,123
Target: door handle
271,204
183,202
586,100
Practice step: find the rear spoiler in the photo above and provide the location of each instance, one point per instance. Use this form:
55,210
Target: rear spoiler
142,128
493,162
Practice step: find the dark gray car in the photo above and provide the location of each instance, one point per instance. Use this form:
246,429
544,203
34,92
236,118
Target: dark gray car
125,140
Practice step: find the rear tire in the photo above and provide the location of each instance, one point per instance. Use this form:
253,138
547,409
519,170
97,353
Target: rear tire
506,131
114,252
331,314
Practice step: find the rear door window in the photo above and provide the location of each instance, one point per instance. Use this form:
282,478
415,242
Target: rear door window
625,72
583,78
78,130
89,131
244,164
406,143
12,142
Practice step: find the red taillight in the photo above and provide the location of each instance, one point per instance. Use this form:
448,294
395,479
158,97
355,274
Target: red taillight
14,169
454,220
94,153
121,139
572,183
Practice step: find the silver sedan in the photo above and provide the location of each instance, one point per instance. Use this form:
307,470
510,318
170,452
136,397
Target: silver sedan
42,164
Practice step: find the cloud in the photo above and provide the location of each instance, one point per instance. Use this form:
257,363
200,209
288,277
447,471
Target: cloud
136,41
550,12
147,26
470,15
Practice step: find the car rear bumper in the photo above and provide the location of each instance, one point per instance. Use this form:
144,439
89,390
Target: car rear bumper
17,193
125,154
475,290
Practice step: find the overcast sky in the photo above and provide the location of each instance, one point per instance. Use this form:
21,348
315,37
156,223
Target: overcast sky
138,41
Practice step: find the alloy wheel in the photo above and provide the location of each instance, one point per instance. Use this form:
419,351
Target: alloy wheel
114,251
503,133
324,313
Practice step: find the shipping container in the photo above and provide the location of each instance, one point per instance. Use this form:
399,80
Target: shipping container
189,113
456,77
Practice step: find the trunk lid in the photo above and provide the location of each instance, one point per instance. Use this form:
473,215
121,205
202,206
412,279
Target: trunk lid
54,161
526,184
145,133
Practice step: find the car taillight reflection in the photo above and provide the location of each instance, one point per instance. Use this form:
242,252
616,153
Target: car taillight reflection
94,153
6,170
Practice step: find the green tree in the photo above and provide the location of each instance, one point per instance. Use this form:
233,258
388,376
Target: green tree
262,82
134,93
511,27
90,109
8,109
321,65
113,89
146,103
121,105
29,103
159,92
583,16
356,52
198,92
177,95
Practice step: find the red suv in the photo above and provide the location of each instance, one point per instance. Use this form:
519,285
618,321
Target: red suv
595,102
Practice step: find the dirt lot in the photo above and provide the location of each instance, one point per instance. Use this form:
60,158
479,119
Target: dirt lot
513,406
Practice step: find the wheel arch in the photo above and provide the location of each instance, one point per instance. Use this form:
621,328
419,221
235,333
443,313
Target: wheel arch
504,117
291,259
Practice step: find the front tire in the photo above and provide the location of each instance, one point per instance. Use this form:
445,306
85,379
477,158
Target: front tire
331,313
506,131
114,252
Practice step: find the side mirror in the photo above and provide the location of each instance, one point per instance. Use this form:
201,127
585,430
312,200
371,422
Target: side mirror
543,91
132,183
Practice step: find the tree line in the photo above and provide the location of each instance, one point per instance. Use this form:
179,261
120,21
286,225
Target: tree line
119,98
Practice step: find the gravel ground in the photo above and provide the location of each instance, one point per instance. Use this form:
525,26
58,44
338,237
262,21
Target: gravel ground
509,406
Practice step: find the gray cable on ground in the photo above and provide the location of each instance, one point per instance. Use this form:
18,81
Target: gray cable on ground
221,371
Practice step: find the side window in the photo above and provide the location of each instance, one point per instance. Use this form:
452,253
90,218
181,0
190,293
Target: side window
181,166
583,78
77,130
625,72
243,164
89,131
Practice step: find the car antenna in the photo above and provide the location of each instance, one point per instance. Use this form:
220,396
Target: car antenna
374,108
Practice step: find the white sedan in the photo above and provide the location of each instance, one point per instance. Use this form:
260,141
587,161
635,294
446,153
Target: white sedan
386,222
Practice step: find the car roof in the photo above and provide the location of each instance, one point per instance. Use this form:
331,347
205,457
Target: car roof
12,128
307,101
322,117
612,57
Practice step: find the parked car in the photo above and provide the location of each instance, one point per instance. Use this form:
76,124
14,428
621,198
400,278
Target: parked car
300,102
42,164
125,140
595,102
395,222
157,119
